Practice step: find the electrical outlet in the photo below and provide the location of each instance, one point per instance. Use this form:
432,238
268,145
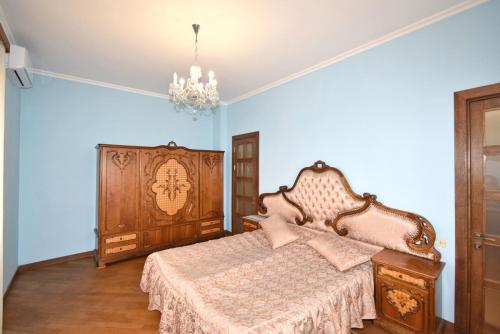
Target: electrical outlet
441,243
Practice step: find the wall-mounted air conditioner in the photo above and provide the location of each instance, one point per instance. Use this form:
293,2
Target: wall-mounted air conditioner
18,67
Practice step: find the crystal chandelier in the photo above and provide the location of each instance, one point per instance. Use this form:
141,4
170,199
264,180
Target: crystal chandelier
193,94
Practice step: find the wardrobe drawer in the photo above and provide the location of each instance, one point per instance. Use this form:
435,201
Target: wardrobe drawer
120,238
120,249
211,230
210,227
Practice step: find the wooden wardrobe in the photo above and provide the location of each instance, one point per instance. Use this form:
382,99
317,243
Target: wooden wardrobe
151,198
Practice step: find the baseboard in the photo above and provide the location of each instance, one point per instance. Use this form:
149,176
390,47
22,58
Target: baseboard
227,233
62,259
10,284
444,325
450,326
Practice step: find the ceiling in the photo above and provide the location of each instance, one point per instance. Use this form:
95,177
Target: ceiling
249,44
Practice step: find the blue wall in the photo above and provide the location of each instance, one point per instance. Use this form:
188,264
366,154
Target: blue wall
61,123
11,182
384,117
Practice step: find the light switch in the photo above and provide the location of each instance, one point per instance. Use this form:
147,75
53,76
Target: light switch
441,243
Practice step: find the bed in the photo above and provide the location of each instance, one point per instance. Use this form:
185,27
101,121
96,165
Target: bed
239,284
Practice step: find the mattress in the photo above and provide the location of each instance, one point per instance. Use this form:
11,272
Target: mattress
239,284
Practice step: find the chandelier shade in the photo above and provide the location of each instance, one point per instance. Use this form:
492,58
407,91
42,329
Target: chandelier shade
193,94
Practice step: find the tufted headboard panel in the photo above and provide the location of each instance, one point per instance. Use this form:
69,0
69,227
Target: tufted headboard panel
320,193
321,198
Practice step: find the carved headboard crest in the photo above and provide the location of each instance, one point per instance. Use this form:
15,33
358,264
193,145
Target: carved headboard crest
322,198
318,194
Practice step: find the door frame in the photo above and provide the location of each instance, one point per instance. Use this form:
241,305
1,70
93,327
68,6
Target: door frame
4,49
463,199
233,184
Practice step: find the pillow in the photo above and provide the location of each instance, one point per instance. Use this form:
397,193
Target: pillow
319,226
343,253
277,231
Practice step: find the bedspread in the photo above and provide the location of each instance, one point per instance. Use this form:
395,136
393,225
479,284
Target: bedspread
239,285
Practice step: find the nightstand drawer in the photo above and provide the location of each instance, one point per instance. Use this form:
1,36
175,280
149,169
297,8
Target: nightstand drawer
249,226
396,274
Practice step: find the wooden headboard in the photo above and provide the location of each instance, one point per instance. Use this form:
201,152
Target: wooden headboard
322,198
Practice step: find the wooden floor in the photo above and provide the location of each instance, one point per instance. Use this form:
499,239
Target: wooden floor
75,297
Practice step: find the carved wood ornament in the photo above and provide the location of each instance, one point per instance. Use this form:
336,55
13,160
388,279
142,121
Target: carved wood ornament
422,242
403,301
170,182
171,186
122,159
211,161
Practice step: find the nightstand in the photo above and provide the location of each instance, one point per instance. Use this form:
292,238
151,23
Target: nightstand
405,294
251,223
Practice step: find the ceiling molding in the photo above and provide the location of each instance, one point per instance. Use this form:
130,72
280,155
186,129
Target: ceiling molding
6,27
364,47
98,83
103,84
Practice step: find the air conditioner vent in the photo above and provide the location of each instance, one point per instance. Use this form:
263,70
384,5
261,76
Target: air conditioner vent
18,67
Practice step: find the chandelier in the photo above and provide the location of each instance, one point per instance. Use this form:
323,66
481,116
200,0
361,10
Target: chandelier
193,94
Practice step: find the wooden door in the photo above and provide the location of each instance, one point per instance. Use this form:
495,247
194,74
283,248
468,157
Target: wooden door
485,216
119,198
245,178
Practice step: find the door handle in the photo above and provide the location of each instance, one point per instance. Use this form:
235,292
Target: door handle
482,237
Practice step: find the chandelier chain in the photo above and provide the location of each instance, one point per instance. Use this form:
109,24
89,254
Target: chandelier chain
196,49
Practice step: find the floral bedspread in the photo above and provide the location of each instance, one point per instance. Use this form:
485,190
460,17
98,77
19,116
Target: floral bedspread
239,284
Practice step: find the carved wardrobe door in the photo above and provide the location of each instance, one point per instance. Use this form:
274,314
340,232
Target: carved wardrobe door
119,190
170,203
211,184
211,194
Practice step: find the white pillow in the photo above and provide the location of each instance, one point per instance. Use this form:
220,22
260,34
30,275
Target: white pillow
277,231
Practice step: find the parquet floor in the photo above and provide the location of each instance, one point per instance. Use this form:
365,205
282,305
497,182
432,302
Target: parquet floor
75,297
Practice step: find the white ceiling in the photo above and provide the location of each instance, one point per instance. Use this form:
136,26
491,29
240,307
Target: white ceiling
249,44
